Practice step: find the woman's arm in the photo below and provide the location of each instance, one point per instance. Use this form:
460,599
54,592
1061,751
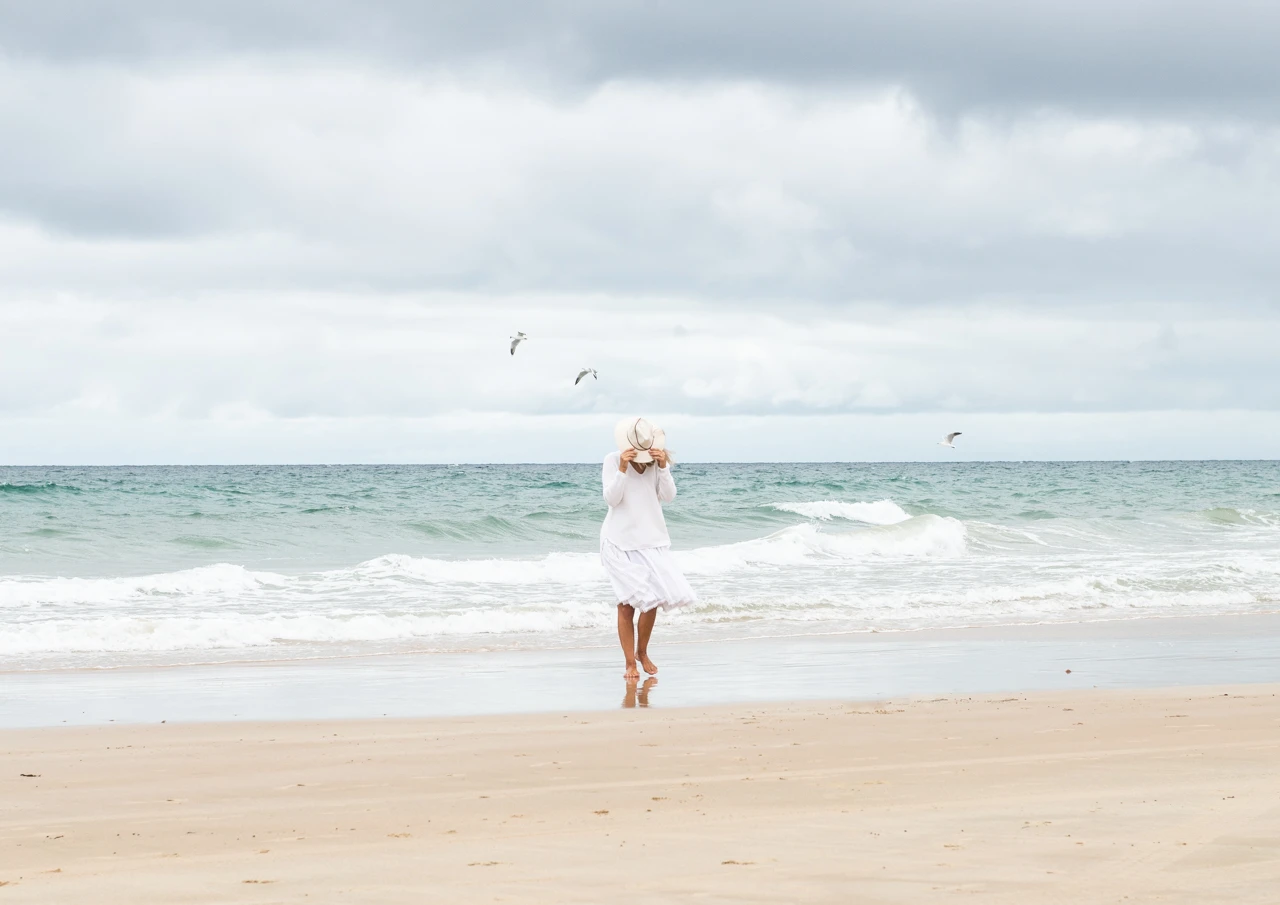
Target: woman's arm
614,481
666,484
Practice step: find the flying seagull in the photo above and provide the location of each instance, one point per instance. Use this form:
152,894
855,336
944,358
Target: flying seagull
517,340
584,372
949,440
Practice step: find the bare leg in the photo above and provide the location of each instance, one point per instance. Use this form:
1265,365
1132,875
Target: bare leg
642,645
627,638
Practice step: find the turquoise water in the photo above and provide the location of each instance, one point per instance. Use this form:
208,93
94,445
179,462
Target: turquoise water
109,566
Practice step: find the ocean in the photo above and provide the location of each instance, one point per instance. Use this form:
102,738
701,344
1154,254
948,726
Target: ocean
136,566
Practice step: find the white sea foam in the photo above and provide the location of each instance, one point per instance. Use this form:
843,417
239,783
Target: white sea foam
217,580
140,634
557,568
881,512
289,633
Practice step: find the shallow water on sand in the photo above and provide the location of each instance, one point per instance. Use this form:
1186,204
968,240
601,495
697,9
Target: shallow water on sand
1210,651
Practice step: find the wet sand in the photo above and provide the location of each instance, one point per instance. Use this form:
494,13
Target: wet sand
1169,795
1216,650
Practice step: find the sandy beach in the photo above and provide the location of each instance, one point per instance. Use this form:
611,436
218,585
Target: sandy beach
1166,795
386,386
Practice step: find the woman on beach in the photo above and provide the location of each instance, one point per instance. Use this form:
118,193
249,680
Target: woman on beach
634,545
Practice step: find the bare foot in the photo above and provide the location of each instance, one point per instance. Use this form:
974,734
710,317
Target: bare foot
649,666
632,672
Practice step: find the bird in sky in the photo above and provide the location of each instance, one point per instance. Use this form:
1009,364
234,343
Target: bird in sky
949,440
584,372
517,340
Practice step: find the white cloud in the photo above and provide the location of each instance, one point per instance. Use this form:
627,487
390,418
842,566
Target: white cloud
285,364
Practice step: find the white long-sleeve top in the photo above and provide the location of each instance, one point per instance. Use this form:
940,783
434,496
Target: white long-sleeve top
635,501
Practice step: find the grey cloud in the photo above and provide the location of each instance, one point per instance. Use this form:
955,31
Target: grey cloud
256,178
1180,54
104,210
318,173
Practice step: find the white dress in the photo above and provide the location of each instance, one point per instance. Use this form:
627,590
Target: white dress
635,548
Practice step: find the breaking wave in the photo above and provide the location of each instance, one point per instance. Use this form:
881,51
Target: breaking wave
922,536
1248,517
881,512
203,582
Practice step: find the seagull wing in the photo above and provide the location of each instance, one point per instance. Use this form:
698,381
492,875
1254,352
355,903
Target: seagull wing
951,437
581,374
515,342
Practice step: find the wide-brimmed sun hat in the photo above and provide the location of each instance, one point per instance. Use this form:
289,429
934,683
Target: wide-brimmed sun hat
641,435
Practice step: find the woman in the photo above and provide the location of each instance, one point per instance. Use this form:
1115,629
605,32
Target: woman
634,545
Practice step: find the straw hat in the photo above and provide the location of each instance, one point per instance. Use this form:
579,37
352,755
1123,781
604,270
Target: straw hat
640,435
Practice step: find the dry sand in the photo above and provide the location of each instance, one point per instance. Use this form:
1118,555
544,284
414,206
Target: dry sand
1170,795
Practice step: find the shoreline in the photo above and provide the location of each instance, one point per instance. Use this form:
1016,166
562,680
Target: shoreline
1266,619
1134,653
1091,795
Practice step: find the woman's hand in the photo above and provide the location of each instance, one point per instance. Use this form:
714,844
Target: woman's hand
659,456
625,459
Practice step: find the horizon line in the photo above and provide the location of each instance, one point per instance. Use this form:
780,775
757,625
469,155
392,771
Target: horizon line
594,463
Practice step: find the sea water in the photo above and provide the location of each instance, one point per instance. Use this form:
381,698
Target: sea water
104,567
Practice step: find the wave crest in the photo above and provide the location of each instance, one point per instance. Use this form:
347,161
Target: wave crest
1224,515
881,512
42,487
922,536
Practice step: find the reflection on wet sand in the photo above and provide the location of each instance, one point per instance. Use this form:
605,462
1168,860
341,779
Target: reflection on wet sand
638,695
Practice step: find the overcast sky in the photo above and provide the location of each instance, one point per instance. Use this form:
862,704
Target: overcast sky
304,231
